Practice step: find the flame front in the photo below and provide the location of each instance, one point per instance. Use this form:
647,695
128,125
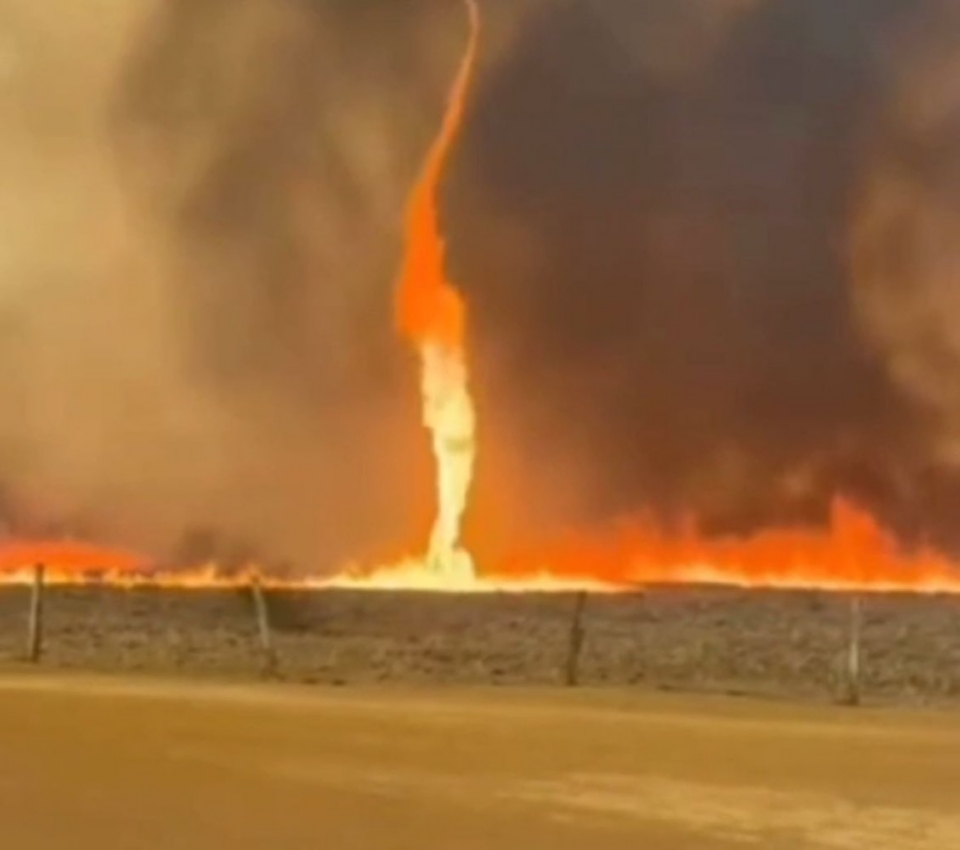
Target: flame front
432,315
853,553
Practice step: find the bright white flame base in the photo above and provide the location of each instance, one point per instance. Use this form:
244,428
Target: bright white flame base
416,575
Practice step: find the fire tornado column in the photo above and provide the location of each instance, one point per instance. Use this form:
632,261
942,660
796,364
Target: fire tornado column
431,314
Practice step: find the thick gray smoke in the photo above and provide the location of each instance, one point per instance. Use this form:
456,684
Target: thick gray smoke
906,246
703,241
692,330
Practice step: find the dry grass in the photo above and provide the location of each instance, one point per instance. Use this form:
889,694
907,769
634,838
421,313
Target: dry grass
697,640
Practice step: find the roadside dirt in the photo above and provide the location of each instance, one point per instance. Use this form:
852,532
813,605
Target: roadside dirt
118,764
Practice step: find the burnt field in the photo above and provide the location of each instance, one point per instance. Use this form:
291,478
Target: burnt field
760,642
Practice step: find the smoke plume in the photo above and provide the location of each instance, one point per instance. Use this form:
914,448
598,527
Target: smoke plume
685,335
706,244
201,221
906,245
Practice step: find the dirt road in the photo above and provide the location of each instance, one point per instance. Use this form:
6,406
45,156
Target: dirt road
129,764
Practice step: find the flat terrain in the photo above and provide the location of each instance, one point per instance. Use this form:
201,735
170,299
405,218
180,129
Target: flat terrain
114,764
694,640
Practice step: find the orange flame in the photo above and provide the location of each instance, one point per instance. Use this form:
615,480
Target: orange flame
69,556
428,308
432,314
853,553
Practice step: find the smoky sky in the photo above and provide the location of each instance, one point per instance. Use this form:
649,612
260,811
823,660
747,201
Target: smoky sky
693,332
706,246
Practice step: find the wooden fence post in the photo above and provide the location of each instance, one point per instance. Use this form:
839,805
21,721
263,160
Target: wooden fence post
268,653
572,670
35,619
853,668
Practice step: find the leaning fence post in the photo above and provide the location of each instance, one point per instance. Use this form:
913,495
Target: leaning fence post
853,666
268,653
35,619
571,673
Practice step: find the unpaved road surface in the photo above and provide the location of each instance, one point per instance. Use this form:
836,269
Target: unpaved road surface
117,764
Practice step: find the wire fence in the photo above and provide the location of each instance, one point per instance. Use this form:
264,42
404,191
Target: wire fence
778,643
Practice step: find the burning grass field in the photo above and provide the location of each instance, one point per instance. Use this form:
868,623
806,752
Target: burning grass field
114,764
774,643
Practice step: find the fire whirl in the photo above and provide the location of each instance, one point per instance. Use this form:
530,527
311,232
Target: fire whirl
853,552
432,315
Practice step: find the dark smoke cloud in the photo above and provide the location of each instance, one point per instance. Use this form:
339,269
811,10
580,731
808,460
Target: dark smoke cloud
660,213
683,334
906,245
